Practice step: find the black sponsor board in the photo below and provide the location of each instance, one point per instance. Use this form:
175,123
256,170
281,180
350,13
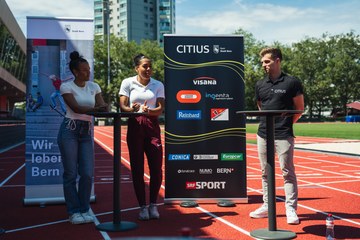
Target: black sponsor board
205,145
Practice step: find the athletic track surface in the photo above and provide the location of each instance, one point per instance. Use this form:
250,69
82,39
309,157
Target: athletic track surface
328,183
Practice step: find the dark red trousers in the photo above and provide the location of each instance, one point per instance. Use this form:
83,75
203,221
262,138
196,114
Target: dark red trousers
143,136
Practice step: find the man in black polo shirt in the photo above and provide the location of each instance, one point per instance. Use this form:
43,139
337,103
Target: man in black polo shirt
278,91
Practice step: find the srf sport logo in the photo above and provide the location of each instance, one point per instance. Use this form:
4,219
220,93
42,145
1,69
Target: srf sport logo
205,185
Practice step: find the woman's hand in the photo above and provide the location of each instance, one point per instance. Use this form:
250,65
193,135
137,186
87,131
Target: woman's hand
144,107
135,107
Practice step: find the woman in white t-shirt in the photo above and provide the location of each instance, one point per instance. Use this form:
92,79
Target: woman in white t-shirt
142,93
75,139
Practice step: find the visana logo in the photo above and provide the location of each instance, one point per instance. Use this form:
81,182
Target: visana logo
192,49
204,81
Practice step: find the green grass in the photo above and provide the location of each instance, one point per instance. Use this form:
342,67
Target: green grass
328,130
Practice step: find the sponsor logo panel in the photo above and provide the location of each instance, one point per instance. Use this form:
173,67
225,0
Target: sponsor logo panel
188,96
188,114
193,48
204,81
219,114
205,157
216,49
190,185
216,185
225,170
205,171
201,49
185,171
179,157
219,96
232,157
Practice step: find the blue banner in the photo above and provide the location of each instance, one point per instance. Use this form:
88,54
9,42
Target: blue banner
49,44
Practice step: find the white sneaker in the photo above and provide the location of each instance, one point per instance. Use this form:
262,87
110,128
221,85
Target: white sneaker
87,217
153,211
144,213
292,217
77,218
261,212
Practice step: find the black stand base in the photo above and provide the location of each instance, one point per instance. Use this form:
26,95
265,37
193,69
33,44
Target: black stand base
2,231
226,203
264,233
116,227
189,204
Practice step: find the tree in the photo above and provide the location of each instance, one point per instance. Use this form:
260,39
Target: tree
329,68
121,63
307,63
344,68
253,71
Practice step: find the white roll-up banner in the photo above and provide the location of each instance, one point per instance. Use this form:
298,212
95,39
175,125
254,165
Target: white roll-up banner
49,44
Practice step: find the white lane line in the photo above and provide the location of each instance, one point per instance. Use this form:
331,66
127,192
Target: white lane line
351,170
13,174
224,221
322,185
314,169
96,222
105,134
11,147
331,162
311,184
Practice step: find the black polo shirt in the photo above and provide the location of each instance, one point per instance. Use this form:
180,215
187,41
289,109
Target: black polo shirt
278,95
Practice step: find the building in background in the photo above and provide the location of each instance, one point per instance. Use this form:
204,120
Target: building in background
135,19
12,61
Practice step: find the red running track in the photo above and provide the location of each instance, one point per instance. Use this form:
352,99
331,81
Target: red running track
327,184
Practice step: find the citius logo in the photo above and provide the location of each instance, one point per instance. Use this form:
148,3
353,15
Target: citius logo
193,48
205,185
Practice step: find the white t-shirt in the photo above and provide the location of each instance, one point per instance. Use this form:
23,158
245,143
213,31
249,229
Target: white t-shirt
84,96
136,92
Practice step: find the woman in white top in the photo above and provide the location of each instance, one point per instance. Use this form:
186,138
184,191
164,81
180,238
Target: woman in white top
142,93
75,139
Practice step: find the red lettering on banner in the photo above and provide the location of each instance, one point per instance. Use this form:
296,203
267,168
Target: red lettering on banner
190,185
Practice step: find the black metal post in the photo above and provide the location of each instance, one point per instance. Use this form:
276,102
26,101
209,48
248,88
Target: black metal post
270,155
116,225
117,160
271,232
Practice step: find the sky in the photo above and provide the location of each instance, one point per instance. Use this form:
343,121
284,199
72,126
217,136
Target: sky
285,21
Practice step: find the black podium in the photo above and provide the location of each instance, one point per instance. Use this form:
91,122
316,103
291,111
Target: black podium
116,225
272,232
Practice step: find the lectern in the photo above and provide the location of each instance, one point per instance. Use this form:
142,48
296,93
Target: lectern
271,232
116,225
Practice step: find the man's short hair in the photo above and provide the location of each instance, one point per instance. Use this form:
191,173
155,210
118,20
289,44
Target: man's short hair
275,52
